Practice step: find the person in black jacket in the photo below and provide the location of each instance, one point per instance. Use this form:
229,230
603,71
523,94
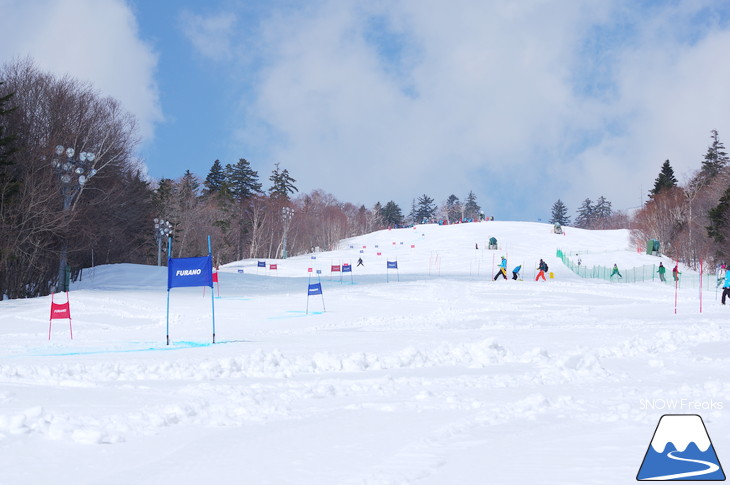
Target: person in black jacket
542,269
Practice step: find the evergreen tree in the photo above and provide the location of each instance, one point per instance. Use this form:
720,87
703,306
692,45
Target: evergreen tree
665,179
471,208
425,210
5,151
719,228
188,191
453,208
585,214
377,215
391,214
715,159
241,180
560,214
602,209
5,140
413,214
216,178
162,198
283,184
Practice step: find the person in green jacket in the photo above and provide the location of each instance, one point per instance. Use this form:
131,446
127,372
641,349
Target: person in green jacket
615,271
721,275
661,272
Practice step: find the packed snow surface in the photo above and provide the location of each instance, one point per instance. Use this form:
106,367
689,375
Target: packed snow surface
431,373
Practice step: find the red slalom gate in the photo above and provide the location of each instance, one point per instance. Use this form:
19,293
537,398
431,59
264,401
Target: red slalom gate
60,311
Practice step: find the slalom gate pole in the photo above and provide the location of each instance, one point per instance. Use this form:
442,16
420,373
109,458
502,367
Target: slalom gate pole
212,297
676,287
322,292
50,320
167,319
716,287
700,285
309,282
70,327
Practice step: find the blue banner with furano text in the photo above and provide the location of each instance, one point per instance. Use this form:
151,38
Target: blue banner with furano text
392,264
315,289
182,272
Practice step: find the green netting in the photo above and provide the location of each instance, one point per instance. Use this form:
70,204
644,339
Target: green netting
647,272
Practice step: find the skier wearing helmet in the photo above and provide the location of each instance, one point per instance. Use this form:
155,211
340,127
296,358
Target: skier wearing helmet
502,269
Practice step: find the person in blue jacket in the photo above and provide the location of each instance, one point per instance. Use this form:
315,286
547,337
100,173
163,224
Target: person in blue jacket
726,286
516,271
502,269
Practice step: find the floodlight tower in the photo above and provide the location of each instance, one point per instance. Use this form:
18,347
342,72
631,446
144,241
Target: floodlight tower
163,228
286,215
72,175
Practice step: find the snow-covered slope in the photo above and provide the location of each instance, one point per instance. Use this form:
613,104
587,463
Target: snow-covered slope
462,249
444,377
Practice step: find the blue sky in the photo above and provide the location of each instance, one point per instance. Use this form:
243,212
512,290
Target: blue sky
522,102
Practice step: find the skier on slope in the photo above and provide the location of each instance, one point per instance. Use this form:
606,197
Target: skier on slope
615,271
662,270
516,271
502,269
721,274
726,286
542,268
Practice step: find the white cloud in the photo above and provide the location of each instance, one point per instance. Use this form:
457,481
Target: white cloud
485,96
522,102
478,90
90,40
671,93
210,35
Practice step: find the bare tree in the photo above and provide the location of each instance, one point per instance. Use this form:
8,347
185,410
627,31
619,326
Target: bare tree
661,218
33,223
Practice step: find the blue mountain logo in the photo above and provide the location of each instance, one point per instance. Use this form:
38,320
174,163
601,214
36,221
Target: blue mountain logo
681,450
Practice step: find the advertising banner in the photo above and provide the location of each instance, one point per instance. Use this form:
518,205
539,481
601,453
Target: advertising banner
183,272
